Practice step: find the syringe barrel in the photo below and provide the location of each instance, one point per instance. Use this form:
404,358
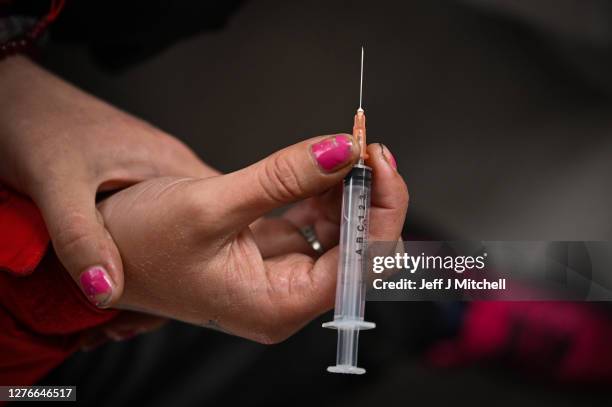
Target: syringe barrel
350,290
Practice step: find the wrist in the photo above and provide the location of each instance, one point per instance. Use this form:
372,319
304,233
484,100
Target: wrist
13,77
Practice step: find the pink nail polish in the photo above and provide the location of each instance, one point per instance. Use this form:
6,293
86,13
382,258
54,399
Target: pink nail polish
332,152
96,285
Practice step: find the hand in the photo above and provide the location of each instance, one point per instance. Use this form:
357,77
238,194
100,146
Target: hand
60,146
198,250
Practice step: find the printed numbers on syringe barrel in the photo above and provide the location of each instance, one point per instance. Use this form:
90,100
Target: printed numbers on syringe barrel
354,237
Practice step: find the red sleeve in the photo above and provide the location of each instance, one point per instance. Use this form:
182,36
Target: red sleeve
23,235
42,310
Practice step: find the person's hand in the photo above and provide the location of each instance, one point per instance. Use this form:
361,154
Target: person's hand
198,250
61,146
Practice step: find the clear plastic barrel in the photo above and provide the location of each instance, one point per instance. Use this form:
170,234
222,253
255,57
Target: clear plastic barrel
351,285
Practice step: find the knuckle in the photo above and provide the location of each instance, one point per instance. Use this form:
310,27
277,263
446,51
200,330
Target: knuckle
199,214
73,234
195,210
279,179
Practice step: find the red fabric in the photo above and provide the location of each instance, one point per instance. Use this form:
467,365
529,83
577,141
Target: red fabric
23,235
42,310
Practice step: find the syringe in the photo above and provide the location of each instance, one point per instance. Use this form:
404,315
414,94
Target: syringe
350,290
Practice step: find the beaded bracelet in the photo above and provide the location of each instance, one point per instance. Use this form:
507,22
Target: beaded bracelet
24,42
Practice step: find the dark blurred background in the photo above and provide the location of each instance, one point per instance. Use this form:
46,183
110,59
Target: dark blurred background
498,113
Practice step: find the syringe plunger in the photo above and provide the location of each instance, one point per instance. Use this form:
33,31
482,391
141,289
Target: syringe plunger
350,290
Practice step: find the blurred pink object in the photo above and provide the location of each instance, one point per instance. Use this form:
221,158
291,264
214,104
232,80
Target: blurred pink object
569,342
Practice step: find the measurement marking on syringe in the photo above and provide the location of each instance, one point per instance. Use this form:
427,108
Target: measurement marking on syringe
361,239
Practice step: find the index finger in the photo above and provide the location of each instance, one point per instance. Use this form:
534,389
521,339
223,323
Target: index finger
389,200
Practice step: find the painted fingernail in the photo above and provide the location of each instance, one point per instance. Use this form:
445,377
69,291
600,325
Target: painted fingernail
96,284
332,152
388,156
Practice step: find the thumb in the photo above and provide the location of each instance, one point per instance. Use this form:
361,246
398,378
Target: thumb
81,241
294,173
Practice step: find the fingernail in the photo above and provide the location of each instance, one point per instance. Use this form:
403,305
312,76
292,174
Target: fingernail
96,284
388,156
332,152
